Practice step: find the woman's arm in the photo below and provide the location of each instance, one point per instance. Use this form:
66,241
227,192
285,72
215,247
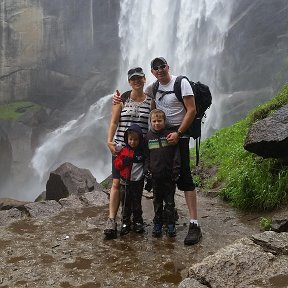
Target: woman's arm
116,111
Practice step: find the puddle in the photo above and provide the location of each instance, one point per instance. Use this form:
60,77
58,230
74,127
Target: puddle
22,227
86,285
80,263
82,237
47,259
279,281
16,259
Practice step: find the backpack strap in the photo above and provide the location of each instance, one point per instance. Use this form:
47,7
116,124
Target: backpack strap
125,96
155,87
177,88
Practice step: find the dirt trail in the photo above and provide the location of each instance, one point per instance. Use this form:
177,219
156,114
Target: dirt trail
68,250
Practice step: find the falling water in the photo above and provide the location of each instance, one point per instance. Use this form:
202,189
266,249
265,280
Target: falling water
189,34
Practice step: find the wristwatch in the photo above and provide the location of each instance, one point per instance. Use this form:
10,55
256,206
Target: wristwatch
179,133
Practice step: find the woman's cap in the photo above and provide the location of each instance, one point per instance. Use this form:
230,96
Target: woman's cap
158,61
137,71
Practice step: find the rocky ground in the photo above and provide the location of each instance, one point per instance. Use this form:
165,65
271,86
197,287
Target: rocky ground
68,249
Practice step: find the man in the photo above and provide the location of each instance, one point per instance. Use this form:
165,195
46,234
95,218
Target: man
178,120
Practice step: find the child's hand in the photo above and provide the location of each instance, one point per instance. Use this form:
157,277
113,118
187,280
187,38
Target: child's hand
147,175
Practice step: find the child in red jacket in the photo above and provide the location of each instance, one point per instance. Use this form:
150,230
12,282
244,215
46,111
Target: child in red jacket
129,161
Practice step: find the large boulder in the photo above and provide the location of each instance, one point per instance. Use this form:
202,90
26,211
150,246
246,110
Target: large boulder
269,137
258,261
69,179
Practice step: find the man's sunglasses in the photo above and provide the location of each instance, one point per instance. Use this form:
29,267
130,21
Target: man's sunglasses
156,68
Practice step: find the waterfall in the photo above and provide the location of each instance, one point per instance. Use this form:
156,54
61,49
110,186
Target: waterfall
81,141
189,34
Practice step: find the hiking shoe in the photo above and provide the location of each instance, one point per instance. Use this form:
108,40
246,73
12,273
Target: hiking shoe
110,230
157,230
125,229
194,234
138,227
171,232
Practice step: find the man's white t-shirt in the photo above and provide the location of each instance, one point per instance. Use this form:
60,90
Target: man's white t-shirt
169,103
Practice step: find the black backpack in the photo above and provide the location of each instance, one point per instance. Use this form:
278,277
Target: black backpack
203,100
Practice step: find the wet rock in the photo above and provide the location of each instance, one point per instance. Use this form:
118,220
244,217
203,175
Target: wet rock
8,216
43,209
95,198
280,225
269,137
245,263
7,203
276,243
72,202
189,282
69,179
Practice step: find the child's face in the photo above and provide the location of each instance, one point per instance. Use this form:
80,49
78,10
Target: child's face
133,140
157,122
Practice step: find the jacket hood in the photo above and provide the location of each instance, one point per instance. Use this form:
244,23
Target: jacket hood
136,128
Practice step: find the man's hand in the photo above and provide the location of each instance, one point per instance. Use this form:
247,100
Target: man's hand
116,99
172,138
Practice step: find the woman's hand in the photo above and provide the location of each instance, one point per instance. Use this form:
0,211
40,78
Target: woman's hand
112,146
116,99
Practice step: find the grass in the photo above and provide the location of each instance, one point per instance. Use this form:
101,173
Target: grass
248,181
14,110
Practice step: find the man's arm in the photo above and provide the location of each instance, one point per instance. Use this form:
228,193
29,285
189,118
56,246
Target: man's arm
189,102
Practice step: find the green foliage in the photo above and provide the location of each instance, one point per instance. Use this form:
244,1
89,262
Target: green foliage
247,181
268,108
265,223
14,110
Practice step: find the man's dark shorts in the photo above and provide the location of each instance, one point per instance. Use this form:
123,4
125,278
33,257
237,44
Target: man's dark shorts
185,182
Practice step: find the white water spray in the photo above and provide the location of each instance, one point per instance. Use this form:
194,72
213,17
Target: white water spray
81,142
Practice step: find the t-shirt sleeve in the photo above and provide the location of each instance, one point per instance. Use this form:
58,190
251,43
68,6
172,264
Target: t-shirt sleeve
149,90
186,88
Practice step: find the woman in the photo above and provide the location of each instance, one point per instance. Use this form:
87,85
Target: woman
134,109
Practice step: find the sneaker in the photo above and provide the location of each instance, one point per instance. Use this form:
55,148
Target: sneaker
138,227
125,229
157,230
194,234
171,232
110,230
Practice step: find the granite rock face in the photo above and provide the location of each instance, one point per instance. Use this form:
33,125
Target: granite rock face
5,156
54,52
